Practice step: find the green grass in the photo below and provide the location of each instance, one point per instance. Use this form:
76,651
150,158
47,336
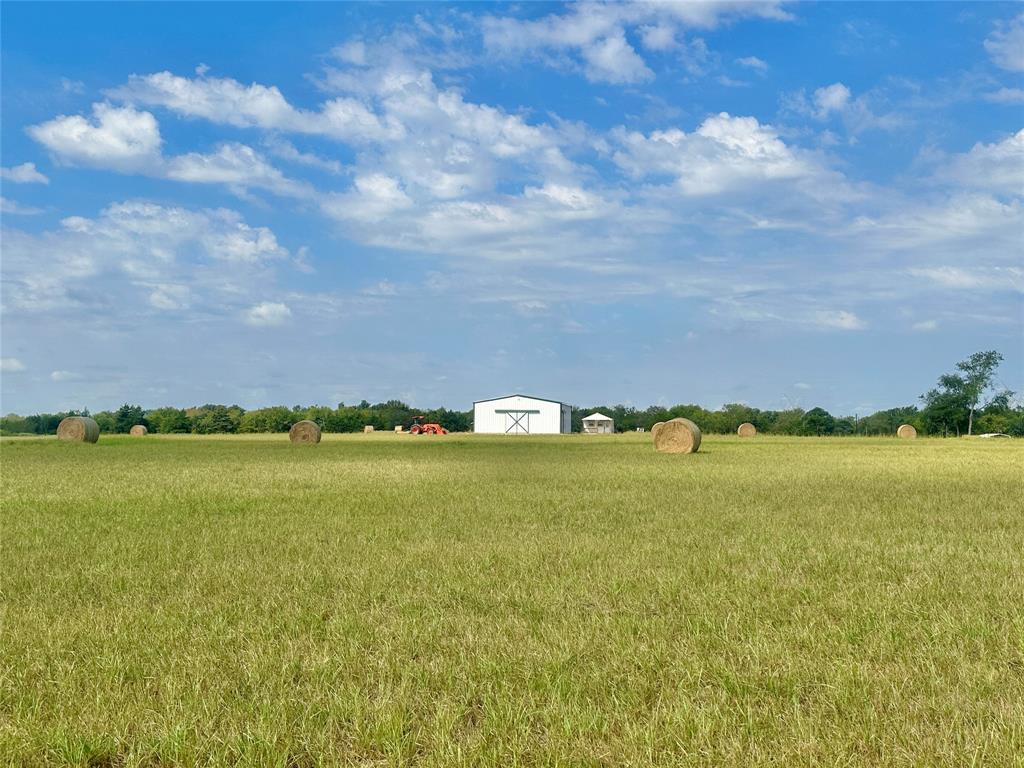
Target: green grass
470,600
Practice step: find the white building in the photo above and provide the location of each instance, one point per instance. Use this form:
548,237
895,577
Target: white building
598,424
521,415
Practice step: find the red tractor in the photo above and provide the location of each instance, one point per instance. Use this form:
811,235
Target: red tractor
426,429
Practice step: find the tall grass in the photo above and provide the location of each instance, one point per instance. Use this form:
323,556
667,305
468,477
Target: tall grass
471,600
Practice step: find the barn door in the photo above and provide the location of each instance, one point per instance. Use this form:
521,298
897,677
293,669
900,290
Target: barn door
517,422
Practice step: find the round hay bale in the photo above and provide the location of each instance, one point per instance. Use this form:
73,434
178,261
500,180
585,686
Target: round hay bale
654,429
304,432
677,436
746,429
78,429
399,428
367,429
138,430
906,431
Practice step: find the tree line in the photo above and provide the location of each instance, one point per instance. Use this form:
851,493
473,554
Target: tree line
963,402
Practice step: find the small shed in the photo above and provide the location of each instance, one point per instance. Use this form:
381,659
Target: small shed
598,424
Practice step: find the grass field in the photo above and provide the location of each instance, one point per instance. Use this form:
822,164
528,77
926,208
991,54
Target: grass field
470,600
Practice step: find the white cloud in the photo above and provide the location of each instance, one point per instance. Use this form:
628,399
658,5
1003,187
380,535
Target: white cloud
13,208
228,102
841,319
170,297
1006,44
752,62
235,165
973,225
592,37
997,167
268,313
128,141
970,278
1005,96
836,101
149,256
831,98
64,376
72,86
658,37
925,326
724,153
25,173
613,60
122,138
287,151
11,365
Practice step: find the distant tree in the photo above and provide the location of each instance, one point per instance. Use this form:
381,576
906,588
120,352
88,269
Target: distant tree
979,371
13,424
214,419
959,396
274,419
789,422
168,421
106,421
818,421
127,416
946,408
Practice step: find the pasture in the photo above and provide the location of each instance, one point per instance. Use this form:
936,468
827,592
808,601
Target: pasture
527,601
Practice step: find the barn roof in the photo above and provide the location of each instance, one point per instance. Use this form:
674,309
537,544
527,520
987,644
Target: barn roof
528,397
597,417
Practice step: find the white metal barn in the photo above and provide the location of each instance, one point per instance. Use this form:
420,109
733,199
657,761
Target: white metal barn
598,424
521,415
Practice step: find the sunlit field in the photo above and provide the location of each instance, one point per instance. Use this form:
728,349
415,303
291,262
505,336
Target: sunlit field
468,600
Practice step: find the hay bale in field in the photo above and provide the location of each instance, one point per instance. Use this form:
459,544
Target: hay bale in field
677,436
654,429
906,431
304,432
138,430
78,429
399,428
746,429
367,429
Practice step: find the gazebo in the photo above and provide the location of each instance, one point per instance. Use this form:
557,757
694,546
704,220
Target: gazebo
598,424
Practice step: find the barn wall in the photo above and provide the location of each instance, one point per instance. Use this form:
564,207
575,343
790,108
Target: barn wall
551,419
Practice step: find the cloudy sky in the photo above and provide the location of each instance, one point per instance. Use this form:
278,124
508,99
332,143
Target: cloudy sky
778,204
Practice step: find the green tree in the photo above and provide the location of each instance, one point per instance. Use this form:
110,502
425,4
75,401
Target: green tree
168,421
106,421
959,396
979,371
127,416
818,421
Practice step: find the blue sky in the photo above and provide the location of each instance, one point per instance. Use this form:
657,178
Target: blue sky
778,204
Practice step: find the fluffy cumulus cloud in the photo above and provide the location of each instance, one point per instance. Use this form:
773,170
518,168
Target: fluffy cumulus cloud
122,138
140,257
594,37
25,173
11,365
128,140
725,153
1006,44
